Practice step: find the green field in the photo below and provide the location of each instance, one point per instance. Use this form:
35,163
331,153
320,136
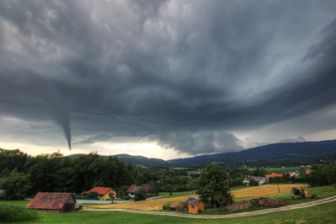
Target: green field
279,169
319,214
175,194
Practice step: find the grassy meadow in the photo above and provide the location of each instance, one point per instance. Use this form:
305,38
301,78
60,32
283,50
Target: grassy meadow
314,215
318,214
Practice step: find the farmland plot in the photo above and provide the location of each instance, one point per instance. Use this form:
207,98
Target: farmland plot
154,205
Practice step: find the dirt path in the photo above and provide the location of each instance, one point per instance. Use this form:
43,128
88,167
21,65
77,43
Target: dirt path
235,215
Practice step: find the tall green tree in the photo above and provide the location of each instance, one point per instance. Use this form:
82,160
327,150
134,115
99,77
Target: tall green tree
17,185
213,185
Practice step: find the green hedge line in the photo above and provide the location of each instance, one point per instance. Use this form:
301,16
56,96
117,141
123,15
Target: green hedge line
12,213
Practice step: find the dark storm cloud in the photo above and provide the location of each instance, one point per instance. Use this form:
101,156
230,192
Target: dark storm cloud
187,74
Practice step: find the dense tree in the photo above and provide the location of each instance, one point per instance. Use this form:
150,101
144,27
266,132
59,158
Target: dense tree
16,185
140,195
213,185
78,173
259,171
323,175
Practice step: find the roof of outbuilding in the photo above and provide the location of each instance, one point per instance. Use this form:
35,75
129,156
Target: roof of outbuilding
50,201
132,189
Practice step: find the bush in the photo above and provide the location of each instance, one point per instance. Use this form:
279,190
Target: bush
169,207
266,203
140,195
11,213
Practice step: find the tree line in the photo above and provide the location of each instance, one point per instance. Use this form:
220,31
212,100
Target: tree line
26,175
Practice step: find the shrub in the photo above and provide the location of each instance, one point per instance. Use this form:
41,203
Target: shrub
11,213
140,195
168,206
266,203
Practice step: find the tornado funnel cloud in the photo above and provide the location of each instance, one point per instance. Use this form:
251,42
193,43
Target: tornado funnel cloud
58,107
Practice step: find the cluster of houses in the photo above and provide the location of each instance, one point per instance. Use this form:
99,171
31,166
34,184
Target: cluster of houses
264,179
57,201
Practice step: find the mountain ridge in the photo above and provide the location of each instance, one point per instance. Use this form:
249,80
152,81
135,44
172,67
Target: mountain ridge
292,153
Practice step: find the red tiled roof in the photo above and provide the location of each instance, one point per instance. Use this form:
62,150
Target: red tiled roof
309,171
101,190
272,175
51,201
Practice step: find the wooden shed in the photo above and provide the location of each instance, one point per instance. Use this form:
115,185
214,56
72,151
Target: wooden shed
194,205
53,202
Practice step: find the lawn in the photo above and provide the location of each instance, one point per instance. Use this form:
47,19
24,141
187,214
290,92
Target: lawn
175,194
314,215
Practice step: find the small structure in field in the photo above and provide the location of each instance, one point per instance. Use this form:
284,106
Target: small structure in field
103,193
299,193
192,206
58,202
257,179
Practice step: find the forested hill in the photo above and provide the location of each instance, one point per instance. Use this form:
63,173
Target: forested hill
272,154
137,160
282,154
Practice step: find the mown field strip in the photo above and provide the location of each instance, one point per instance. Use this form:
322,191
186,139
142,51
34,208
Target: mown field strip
236,215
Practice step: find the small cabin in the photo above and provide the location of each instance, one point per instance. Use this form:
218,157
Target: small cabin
194,205
58,202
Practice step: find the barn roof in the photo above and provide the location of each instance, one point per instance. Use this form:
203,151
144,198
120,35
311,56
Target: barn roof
147,188
132,189
101,190
50,201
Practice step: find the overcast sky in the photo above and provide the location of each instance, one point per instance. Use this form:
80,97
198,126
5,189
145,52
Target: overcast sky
167,78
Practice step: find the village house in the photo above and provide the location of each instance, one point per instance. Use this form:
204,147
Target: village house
257,179
59,202
309,171
104,193
294,174
193,206
273,175
147,188
131,191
